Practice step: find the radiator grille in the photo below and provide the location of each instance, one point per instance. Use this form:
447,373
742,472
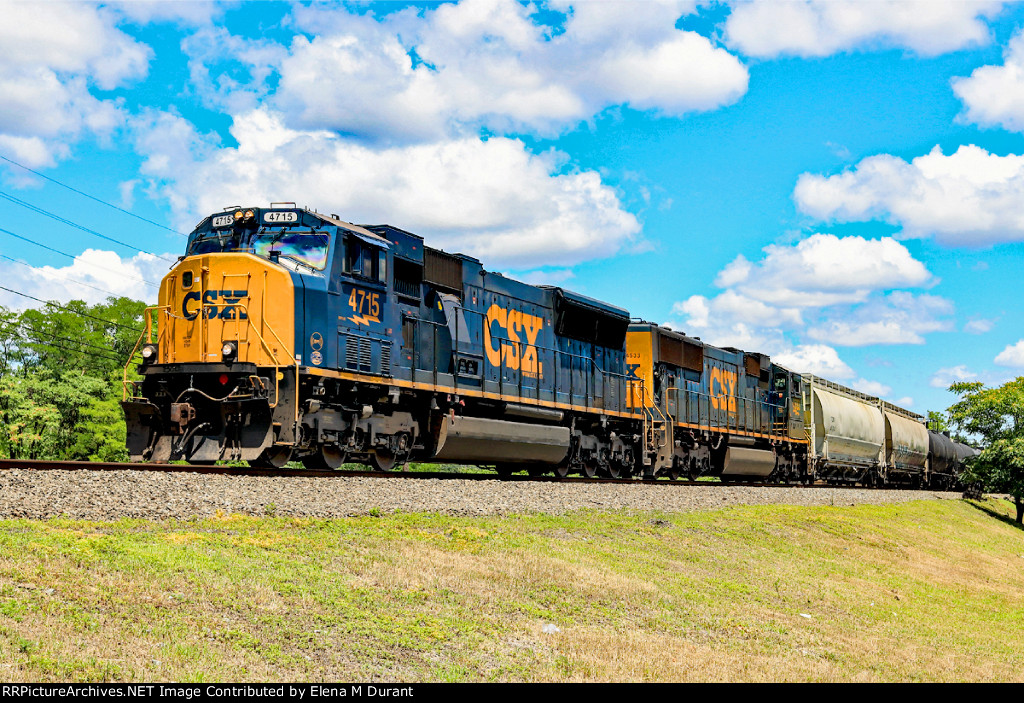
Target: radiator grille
385,359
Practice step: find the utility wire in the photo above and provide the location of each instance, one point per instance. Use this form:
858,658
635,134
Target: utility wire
72,256
26,328
76,312
70,223
92,197
63,277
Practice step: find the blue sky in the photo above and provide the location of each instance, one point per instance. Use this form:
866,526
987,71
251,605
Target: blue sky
838,184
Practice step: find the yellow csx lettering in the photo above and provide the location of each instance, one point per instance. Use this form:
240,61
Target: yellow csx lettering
723,389
500,351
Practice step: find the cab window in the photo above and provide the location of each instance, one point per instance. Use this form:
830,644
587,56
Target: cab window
364,260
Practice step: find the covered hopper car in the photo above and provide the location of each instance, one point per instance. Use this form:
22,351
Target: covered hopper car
286,334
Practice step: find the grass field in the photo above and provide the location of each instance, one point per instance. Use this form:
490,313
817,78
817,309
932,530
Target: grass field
919,591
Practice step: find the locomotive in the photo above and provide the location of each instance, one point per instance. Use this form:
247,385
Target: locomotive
286,334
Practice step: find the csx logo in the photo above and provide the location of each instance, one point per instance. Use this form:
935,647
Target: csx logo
228,311
513,353
723,389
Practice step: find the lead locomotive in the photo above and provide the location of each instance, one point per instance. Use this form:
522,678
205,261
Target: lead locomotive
287,334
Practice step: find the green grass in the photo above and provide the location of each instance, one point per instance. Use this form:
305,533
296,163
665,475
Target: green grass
925,591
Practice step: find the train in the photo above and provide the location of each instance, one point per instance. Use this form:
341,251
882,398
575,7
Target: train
285,334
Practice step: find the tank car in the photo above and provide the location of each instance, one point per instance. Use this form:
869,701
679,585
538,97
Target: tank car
284,333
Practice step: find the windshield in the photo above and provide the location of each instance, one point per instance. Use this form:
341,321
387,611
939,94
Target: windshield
305,248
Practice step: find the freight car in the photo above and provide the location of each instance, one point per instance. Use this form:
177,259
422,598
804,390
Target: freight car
284,333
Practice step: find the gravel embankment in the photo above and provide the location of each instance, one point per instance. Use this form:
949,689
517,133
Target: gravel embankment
107,495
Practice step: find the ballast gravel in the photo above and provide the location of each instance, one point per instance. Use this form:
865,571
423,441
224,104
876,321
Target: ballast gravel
109,495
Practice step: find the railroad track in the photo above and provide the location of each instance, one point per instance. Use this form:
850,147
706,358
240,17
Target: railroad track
223,470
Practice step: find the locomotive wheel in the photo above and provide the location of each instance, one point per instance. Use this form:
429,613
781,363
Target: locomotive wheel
272,458
382,459
327,457
589,468
561,471
675,471
612,470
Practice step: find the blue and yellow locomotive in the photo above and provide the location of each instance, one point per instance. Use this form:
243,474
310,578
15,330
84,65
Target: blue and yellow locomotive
284,333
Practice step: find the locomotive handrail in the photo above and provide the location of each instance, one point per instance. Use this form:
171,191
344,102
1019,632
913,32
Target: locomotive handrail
147,333
742,401
612,378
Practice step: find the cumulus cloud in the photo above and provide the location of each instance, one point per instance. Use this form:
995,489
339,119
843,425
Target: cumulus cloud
979,326
1012,356
818,359
994,95
829,288
824,270
769,28
492,199
970,197
46,76
874,388
94,275
425,75
899,318
944,377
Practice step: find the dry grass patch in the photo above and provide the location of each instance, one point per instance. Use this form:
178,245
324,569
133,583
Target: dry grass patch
924,591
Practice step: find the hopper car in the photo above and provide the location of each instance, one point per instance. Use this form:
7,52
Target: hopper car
285,334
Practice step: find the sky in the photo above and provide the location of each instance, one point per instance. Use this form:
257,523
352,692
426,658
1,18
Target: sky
837,184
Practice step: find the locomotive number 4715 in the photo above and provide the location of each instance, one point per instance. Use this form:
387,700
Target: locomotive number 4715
365,306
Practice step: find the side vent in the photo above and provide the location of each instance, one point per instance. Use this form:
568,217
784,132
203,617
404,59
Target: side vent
442,270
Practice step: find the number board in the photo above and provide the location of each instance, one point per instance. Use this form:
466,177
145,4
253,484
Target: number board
362,307
277,216
223,220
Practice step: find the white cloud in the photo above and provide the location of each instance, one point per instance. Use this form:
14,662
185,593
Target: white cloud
970,197
767,29
92,276
544,277
825,270
898,318
1012,356
874,388
944,377
415,76
216,62
53,54
994,95
979,326
187,13
818,359
493,199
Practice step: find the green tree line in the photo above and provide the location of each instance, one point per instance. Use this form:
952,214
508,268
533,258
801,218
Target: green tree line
61,370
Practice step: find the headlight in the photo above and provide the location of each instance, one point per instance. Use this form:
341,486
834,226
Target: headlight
149,353
229,350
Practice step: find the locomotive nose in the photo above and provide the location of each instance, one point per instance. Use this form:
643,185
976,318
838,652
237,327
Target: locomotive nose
227,307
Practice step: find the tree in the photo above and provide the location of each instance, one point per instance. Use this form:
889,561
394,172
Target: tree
937,421
996,415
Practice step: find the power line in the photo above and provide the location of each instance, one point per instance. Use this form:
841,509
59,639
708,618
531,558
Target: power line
76,312
72,256
26,328
92,197
70,223
63,277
